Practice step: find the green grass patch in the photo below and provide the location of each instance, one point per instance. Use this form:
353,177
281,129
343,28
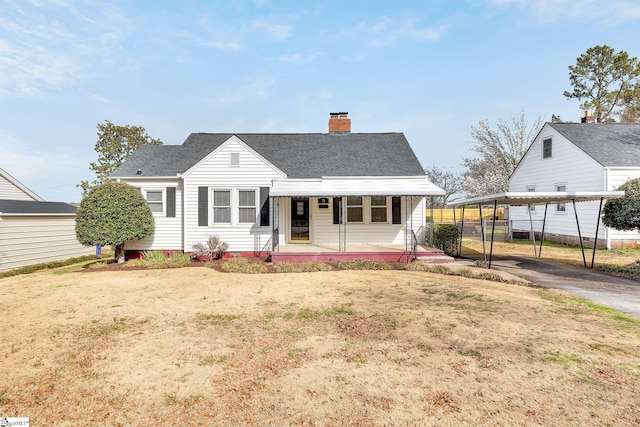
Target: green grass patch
244,265
157,259
631,270
80,262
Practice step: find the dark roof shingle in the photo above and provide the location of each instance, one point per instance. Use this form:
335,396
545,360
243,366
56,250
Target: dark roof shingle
35,207
297,155
610,144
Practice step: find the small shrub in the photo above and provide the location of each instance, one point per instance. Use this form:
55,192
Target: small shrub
301,267
157,259
464,272
243,265
360,264
212,249
440,269
416,266
447,238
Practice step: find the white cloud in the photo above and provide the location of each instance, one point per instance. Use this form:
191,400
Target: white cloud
53,44
275,27
550,11
299,57
389,30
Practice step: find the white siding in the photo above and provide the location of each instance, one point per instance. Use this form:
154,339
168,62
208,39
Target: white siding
38,239
9,191
568,166
168,231
217,172
324,231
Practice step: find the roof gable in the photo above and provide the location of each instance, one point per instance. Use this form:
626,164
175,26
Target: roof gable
297,155
610,144
20,187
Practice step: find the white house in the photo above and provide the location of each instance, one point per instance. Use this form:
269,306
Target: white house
577,157
33,231
262,193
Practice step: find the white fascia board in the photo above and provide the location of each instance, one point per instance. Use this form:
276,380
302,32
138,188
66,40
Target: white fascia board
355,186
524,198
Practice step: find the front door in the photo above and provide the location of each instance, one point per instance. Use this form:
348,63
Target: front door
299,218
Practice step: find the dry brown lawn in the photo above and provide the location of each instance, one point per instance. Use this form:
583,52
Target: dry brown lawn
195,346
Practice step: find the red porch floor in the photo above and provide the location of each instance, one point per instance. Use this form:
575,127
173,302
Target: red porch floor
300,252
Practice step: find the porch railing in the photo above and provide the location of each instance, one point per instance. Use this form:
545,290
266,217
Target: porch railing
275,239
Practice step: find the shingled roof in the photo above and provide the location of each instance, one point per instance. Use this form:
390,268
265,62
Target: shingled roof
29,207
297,155
610,144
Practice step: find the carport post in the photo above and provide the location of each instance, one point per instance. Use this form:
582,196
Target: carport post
484,248
595,241
533,233
493,227
544,222
584,260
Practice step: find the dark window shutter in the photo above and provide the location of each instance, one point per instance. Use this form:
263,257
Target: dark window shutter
171,202
396,211
336,210
264,206
203,206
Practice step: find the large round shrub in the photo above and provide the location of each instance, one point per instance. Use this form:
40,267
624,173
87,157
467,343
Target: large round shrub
112,214
624,213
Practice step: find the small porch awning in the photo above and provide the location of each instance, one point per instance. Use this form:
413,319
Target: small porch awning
329,186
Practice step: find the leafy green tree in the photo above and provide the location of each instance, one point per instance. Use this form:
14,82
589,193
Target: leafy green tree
606,81
115,144
112,214
624,213
499,152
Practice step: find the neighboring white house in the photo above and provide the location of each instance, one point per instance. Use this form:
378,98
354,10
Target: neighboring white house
259,192
33,231
577,157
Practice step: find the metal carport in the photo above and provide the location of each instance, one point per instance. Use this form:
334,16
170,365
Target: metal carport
536,198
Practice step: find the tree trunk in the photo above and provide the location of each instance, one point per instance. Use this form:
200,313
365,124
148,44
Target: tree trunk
119,253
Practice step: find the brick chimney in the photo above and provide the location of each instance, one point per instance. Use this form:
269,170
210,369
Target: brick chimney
339,123
588,118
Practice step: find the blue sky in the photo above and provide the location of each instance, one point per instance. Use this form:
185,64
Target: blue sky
430,69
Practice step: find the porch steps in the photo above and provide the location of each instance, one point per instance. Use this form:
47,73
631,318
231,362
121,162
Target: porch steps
435,258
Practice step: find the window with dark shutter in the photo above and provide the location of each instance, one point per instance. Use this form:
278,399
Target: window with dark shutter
171,202
264,206
203,206
396,212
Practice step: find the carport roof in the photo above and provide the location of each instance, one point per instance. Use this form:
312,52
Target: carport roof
525,198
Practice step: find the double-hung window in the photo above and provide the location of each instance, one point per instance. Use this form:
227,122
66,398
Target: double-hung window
547,148
354,209
378,209
222,206
561,207
246,206
154,200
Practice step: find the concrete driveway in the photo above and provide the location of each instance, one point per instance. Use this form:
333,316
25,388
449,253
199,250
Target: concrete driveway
616,292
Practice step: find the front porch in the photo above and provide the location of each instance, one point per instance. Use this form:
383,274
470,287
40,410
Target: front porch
300,252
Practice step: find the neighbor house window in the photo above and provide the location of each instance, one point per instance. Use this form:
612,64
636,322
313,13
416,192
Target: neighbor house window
561,207
378,209
547,148
154,200
222,206
532,189
247,206
354,209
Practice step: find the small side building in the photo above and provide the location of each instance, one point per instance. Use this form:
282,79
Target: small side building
33,231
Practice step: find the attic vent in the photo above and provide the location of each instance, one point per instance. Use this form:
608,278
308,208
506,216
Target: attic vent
234,159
